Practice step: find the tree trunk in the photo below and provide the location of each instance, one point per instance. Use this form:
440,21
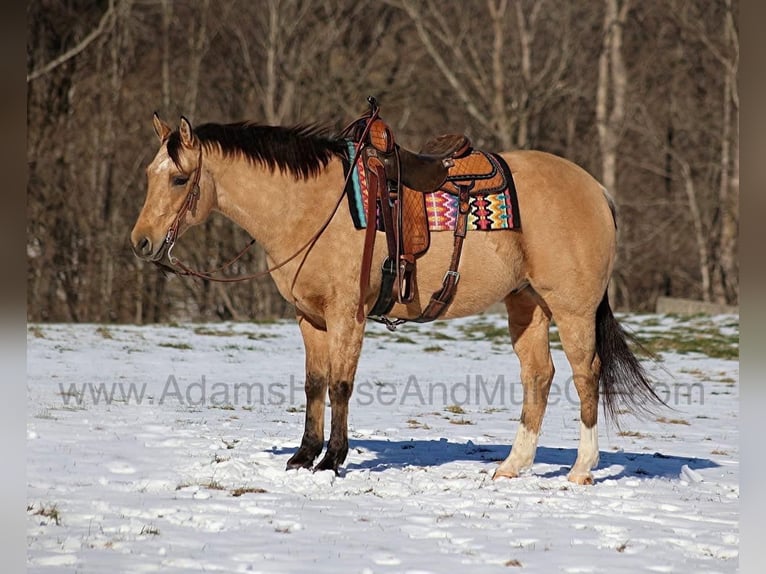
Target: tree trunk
725,279
610,103
610,94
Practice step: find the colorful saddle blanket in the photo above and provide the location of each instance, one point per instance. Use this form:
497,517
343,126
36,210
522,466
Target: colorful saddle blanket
494,204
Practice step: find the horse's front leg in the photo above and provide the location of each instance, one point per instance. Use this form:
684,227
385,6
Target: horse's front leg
344,347
315,341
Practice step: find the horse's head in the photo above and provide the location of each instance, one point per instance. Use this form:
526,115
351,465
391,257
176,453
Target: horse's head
180,193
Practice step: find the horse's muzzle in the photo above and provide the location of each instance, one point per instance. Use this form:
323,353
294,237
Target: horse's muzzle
143,248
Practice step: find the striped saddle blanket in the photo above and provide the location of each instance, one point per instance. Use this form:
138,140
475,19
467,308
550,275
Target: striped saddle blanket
494,204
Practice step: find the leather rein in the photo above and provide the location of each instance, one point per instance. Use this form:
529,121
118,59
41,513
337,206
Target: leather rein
190,205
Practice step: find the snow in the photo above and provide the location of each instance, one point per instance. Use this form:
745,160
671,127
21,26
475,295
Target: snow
173,458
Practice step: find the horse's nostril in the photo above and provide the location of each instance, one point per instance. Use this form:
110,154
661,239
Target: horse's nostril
145,246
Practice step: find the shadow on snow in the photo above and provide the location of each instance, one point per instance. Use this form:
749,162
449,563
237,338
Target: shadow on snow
401,454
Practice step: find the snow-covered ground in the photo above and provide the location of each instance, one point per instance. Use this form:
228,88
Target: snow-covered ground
162,449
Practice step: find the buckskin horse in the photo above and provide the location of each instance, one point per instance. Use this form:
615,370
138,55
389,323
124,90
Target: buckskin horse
556,266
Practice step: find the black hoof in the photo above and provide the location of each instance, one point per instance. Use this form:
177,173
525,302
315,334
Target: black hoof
332,460
301,459
328,463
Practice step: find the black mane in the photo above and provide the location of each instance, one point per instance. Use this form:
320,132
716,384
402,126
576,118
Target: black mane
302,150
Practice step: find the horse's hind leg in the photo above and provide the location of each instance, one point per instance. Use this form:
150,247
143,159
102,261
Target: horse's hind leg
578,338
528,322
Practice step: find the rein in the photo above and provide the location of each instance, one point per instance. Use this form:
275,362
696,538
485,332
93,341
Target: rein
190,205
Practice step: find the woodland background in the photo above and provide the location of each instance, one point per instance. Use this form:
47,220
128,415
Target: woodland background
643,94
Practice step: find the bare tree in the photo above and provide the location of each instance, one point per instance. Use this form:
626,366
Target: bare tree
511,73
501,84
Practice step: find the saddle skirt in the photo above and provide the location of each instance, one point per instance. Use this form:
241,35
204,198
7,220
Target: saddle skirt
481,172
493,201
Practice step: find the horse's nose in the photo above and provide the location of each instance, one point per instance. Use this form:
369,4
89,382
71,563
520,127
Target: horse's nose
143,247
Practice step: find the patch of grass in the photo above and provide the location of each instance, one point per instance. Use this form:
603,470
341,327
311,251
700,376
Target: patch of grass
71,392
247,490
460,421
416,424
223,407
486,331
695,372
719,451
181,346
104,331
404,339
666,420
214,332
439,336
36,331
515,563
455,409
150,529
298,409
433,349
45,413
707,341
261,336
230,444
634,434
51,512
210,485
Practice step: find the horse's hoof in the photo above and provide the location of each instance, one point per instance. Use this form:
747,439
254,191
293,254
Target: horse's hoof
296,466
580,478
328,463
504,473
300,460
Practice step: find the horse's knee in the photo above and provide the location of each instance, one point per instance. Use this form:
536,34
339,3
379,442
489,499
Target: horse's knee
340,392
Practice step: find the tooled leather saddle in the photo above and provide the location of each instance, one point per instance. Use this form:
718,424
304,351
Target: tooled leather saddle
398,180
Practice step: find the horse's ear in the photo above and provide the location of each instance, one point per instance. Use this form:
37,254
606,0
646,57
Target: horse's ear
161,128
188,139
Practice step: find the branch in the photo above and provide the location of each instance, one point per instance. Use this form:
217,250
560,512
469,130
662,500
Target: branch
441,63
106,22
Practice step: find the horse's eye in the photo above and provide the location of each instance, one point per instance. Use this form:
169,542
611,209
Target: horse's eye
180,180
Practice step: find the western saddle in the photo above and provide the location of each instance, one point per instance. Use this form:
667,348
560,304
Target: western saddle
398,180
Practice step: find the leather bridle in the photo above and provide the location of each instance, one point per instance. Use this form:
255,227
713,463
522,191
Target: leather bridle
190,205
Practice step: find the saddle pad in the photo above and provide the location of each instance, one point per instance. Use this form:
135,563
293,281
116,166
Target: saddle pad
498,209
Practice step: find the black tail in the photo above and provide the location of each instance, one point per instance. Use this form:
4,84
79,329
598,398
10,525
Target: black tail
624,383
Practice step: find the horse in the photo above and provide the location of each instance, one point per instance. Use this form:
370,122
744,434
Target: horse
556,267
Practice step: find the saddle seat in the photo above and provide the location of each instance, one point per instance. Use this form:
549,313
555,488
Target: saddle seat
427,170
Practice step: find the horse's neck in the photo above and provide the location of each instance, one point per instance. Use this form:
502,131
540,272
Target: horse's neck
278,211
